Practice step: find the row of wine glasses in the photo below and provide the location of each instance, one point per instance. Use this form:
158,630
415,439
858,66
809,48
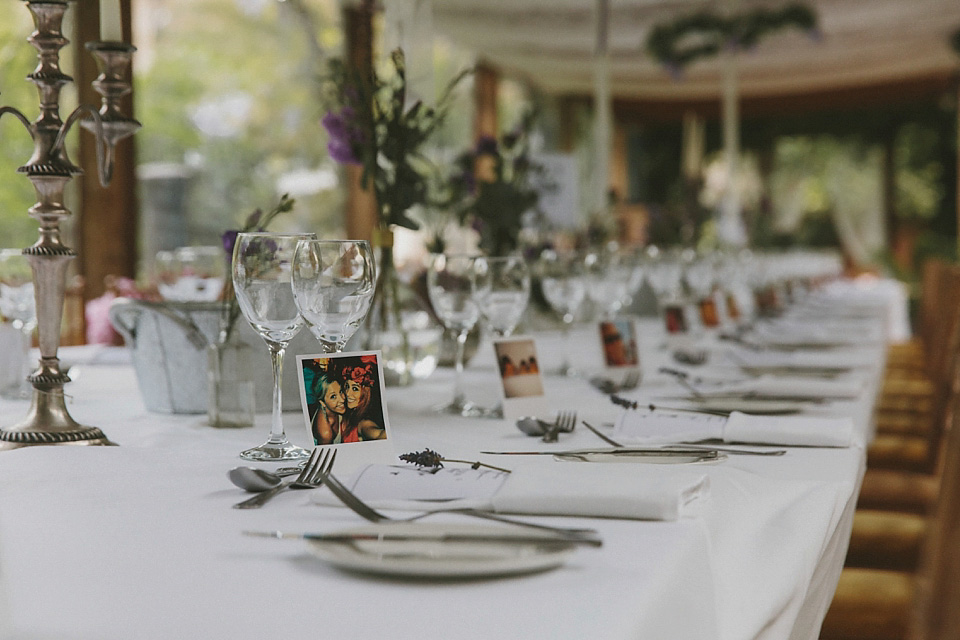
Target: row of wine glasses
283,281
462,289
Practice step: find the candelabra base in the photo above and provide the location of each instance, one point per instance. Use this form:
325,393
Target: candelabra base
49,423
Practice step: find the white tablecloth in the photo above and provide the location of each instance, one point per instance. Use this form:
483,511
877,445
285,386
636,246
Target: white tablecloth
139,541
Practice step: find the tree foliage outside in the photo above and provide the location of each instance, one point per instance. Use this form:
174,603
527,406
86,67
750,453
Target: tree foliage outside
17,59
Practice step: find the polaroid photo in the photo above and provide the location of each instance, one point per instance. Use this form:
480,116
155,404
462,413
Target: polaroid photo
618,339
344,406
521,383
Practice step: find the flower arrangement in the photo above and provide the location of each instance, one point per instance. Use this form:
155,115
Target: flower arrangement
256,221
369,125
709,33
494,186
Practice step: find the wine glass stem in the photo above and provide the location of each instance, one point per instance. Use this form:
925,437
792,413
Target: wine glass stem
565,339
276,425
458,395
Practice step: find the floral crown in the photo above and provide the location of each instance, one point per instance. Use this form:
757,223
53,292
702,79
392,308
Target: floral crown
361,374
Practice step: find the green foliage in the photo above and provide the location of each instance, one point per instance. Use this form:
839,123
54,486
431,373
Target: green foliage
232,92
369,123
17,59
707,33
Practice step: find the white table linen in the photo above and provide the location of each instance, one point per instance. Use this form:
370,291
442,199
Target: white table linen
139,541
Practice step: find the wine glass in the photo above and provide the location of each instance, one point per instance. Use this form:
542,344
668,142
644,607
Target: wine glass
502,291
18,307
608,274
262,279
333,282
563,285
190,274
451,282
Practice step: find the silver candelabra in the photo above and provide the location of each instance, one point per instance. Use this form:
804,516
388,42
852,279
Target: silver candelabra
49,169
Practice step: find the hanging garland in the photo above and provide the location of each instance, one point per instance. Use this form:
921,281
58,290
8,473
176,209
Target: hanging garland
712,33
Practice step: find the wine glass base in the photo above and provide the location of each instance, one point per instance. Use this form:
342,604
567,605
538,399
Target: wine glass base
271,451
566,371
462,408
494,413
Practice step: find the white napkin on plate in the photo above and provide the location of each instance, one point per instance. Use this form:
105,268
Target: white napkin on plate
662,427
789,430
600,490
542,487
794,386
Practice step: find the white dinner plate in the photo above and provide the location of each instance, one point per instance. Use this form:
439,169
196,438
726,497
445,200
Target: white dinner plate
440,558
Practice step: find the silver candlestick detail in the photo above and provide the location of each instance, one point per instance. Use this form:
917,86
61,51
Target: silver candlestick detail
49,169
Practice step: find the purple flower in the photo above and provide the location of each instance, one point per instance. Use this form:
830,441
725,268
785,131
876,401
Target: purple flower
229,239
486,145
253,219
344,135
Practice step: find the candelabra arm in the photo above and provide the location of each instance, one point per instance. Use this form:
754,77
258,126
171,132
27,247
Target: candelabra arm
20,116
103,146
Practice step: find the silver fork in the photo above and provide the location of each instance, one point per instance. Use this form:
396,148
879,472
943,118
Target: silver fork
310,478
566,421
352,501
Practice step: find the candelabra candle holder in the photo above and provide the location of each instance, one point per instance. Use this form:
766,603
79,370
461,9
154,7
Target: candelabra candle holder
49,169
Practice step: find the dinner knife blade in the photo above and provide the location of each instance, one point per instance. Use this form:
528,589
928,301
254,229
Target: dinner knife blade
557,541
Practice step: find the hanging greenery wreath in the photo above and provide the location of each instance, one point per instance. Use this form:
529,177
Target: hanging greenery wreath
708,33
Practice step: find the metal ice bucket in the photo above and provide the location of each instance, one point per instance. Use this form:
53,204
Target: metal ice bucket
169,342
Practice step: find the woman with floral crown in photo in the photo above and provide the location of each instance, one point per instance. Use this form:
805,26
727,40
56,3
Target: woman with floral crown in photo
364,412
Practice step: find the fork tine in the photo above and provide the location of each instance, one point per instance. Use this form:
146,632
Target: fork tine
323,467
309,468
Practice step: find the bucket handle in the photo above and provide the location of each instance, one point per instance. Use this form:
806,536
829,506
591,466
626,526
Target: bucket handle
124,313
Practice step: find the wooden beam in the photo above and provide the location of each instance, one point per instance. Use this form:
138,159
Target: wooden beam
106,228
485,83
360,214
892,94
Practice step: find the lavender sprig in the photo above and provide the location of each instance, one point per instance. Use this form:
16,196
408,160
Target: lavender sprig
429,459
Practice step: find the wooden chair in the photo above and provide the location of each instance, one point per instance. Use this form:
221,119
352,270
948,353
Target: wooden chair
906,558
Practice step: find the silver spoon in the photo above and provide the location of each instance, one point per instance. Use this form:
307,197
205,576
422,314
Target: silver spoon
531,425
253,480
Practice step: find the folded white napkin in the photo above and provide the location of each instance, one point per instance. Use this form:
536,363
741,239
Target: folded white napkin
662,427
601,490
789,430
803,359
642,426
542,487
794,386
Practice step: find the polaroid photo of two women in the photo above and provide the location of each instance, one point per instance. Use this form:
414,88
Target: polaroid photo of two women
344,406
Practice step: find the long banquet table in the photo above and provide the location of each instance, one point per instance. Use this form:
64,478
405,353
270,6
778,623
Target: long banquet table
139,540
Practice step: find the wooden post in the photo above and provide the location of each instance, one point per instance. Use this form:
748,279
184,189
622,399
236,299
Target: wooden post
485,81
568,122
106,237
360,213
889,187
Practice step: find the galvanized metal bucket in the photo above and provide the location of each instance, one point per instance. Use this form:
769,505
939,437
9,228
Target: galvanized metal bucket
169,343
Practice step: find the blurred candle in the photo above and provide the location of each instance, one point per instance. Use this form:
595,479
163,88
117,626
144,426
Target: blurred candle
110,23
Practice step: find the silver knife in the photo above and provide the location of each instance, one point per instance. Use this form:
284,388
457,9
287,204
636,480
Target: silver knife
560,542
